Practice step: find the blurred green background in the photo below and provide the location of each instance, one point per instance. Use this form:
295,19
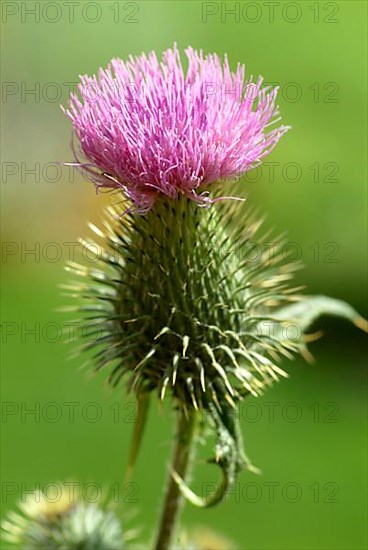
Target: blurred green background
313,450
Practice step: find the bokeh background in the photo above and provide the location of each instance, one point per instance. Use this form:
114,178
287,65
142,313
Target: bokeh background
312,449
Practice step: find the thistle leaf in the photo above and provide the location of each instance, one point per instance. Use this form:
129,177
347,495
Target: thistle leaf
311,308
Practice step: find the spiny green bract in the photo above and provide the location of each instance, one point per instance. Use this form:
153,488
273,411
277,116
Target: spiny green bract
180,300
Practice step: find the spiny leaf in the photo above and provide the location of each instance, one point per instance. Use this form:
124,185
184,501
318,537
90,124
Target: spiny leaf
305,312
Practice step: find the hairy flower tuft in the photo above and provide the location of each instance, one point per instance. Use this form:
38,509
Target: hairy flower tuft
150,128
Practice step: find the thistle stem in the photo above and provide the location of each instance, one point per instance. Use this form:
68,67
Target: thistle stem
183,452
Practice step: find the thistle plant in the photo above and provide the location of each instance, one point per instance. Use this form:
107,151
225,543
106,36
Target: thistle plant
179,307
178,311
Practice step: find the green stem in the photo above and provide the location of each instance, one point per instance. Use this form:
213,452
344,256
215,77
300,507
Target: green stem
173,501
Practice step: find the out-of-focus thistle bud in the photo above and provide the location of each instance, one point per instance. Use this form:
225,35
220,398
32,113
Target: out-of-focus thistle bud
62,524
187,299
205,539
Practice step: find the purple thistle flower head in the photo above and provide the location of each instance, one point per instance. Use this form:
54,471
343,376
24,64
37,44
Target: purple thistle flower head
152,129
